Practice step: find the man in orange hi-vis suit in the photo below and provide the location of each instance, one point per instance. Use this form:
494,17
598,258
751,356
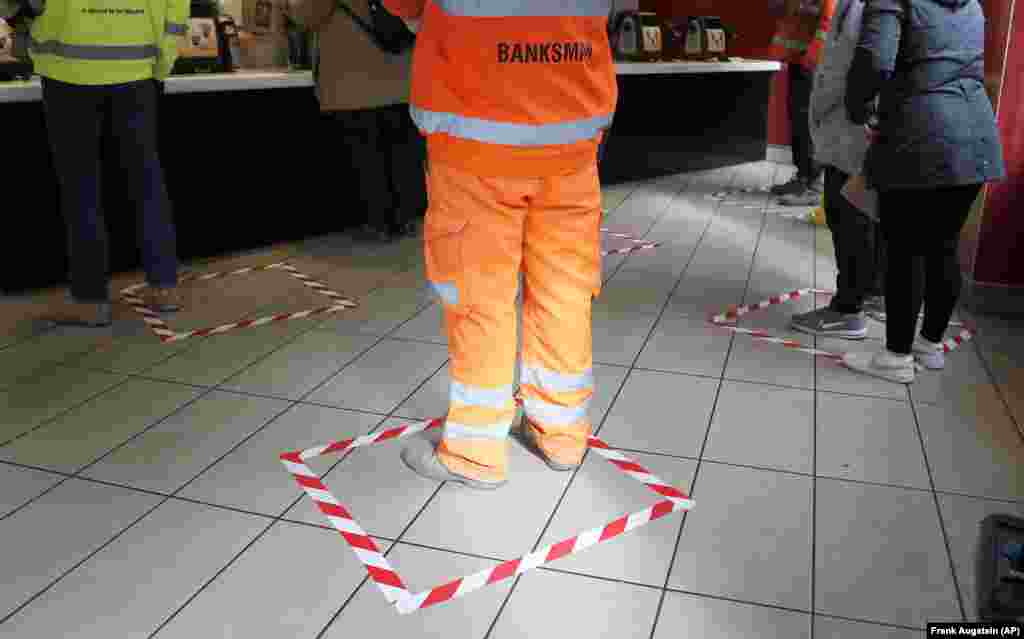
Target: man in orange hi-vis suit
514,97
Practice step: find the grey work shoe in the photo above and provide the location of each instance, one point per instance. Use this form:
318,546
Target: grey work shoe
523,436
929,354
883,364
874,307
808,196
420,455
824,322
795,185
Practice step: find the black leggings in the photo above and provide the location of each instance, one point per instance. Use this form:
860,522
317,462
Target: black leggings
922,225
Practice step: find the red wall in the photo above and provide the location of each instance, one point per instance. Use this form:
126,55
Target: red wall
1002,225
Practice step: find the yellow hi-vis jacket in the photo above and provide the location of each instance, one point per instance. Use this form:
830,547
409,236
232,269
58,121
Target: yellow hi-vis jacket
98,42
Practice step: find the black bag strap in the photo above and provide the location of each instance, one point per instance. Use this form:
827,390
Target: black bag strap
359,20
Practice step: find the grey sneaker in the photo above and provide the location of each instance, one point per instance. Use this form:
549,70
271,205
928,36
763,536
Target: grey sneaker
874,307
824,322
883,364
931,355
421,457
795,185
808,196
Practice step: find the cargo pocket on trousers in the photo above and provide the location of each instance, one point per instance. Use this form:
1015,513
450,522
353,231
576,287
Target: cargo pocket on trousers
443,255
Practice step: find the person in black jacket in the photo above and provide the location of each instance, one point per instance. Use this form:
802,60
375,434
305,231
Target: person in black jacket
937,144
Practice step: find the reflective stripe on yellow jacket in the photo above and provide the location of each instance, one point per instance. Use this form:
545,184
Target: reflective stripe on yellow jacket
98,42
515,89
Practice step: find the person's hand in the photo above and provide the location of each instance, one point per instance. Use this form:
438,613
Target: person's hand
412,23
871,133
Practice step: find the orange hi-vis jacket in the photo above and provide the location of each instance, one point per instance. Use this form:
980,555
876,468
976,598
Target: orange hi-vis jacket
800,39
511,88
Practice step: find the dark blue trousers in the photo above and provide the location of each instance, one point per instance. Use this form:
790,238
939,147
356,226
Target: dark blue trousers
76,116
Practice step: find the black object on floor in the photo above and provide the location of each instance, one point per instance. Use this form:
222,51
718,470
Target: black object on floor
1000,569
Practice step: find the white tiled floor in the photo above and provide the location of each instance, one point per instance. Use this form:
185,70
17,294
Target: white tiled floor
141,493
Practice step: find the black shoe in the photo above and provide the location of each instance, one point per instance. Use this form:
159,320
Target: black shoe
795,185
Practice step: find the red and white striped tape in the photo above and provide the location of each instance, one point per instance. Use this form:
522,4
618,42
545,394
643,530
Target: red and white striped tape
638,244
723,320
167,335
388,580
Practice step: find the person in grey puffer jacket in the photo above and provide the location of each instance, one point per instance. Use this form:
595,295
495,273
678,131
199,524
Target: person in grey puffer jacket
938,143
840,146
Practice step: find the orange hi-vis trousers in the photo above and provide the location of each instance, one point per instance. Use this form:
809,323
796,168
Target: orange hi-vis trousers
480,233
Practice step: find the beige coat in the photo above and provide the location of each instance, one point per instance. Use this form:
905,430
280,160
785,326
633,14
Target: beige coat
354,72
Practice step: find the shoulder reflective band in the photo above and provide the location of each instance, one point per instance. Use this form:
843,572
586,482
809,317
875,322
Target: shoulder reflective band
526,8
175,29
95,52
507,133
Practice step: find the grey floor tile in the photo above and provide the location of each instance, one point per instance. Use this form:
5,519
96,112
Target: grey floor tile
210,360
504,524
298,367
750,538
752,360
619,335
686,345
964,373
661,413
696,299
577,607
836,378
84,435
33,356
868,439
156,566
974,447
607,382
381,311
383,377
31,403
880,556
131,354
19,485
757,425
430,401
690,616
46,539
468,617
428,326
180,447
252,478
636,292
376,487
828,628
600,494
963,517
302,574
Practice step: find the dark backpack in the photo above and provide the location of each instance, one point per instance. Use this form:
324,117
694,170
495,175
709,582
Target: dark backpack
387,30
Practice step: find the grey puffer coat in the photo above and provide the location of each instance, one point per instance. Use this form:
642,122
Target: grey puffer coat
925,59
838,142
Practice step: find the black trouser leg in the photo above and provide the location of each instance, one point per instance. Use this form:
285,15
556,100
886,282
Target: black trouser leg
407,153
922,225
360,133
853,235
74,124
133,109
801,82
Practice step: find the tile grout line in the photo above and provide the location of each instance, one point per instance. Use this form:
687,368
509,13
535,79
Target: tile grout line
938,510
998,388
707,433
185,485
814,458
568,485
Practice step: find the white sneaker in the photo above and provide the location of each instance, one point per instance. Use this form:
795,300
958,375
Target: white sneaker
883,364
929,354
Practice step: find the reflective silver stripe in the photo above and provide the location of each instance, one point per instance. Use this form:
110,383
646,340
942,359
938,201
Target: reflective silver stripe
455,430
506,133
557,382
448,293
495,398
545,413
526,8
95,51
175,29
